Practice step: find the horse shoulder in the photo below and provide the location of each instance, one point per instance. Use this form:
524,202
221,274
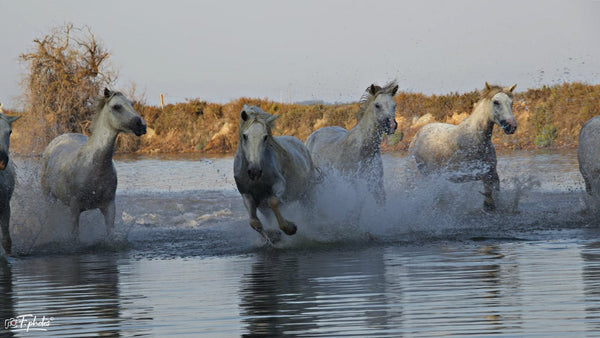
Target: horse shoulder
588,148
7,182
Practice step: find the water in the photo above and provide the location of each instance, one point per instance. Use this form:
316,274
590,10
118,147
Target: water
428,263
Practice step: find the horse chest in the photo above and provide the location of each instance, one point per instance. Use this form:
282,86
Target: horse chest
95,187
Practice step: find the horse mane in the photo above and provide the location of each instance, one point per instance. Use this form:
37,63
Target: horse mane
368,96
100,103
490,90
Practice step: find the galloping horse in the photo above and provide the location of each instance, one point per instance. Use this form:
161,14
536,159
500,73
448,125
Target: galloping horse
588,153
7,178
355,153
269,170
465,151
79,171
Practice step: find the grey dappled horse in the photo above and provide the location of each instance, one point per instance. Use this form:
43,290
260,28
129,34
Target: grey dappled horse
465,151
79,171
270,170
588,156
355,153
7,178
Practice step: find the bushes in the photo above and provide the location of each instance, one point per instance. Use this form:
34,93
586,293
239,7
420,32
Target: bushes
548,116
67,68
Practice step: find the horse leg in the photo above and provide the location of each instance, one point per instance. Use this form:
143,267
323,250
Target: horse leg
109,217
250,205
491,184
75,213
376,188
4,224
286,226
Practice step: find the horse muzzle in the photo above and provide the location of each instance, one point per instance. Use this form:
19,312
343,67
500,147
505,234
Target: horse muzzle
138,126
509,126
254,174
390,126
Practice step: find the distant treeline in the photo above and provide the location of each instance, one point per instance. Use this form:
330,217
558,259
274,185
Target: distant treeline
546,117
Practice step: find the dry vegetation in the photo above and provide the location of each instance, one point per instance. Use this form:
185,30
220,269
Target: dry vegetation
68,67
66,71
547,117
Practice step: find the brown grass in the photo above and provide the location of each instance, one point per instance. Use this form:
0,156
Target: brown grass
200,126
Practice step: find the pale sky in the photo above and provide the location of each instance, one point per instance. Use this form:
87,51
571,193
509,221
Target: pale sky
317,49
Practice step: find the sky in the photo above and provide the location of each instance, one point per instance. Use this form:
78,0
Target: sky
325,50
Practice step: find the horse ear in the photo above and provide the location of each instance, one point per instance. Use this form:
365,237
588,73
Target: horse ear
243,114
487,85
272,118
12,119
395,90
106,92
373,89
511,88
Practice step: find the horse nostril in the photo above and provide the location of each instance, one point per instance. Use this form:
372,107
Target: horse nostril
508,126
254,173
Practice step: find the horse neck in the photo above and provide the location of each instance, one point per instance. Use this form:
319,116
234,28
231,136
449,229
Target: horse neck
278,151
101,143
479,122
366,134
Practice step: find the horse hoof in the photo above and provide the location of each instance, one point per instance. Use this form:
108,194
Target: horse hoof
7,245
290,228
256,225
489,207
272,236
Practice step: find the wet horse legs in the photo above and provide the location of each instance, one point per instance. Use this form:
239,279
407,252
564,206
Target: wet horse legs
4,224
491,184
286,226
250,205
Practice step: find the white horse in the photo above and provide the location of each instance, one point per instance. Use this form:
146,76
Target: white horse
465,151
79,171
356,153
270,170
588,155
7,178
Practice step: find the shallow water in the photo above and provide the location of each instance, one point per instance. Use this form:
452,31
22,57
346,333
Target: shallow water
427,263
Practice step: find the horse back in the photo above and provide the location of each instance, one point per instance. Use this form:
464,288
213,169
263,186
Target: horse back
324,144
64,144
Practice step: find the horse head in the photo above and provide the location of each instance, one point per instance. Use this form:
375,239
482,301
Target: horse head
381,102
5,131
501,107
121,114
255,135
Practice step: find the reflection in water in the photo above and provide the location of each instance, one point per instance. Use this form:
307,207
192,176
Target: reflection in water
6,298
591,279
339,292
76,291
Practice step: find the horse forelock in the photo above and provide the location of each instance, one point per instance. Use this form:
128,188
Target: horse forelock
368,97
256,115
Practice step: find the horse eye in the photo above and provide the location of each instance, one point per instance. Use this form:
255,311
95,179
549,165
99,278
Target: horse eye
245,137
265,138
377,105
117,107
496,103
